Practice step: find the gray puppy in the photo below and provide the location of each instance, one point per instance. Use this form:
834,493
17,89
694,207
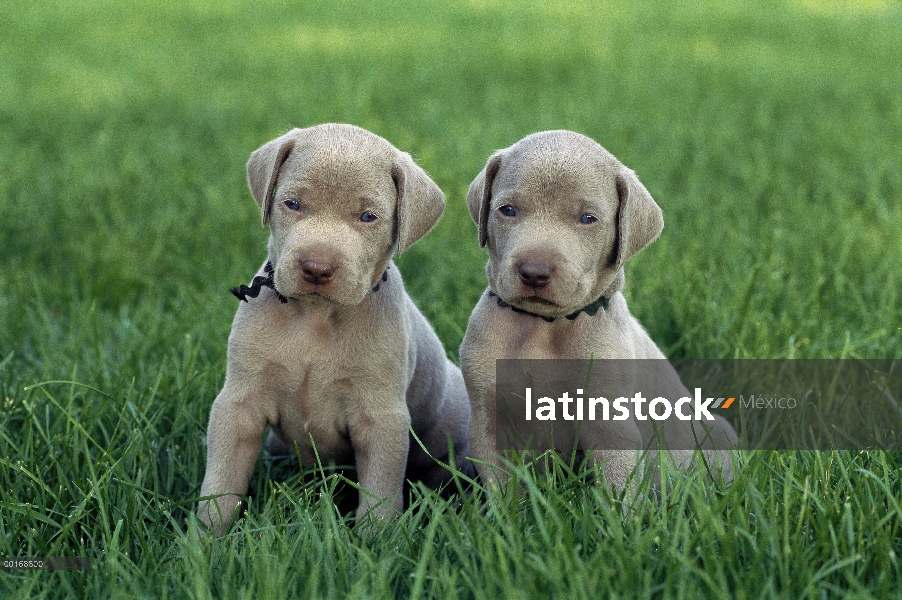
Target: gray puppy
561,217
328,349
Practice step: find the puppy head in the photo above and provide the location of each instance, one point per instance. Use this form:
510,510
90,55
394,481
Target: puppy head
560,216
339,200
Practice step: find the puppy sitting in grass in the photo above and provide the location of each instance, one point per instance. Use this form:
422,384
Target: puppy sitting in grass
561,216
327,348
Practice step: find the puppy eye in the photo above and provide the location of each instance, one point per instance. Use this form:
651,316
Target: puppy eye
293,204
368,217
508,211
587,219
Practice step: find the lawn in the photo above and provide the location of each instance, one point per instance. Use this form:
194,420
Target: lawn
768,132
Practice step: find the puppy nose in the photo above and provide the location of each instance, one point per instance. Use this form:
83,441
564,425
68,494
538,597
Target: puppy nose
534,274
317,272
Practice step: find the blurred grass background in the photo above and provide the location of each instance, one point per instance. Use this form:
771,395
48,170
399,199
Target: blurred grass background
768,132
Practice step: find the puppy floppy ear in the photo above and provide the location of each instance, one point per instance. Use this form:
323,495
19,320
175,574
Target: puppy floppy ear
479,196
420,201
639,218
263,169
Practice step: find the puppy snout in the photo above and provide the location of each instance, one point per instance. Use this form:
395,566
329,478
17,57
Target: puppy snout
534,274
317,272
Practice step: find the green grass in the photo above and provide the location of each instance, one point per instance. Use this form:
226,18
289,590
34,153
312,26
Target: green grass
768,132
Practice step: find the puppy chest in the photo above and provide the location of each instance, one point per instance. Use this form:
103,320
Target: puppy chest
321,409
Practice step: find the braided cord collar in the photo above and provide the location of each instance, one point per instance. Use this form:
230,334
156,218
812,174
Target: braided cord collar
590,309
243,292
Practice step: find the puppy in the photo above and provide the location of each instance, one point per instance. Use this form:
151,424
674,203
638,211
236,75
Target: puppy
560,217
327,349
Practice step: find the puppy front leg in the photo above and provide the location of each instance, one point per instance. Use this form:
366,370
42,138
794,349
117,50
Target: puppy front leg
381,444
234,438
618,469
483,444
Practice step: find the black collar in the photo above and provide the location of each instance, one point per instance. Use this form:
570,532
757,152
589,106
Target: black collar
590,309
243,292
